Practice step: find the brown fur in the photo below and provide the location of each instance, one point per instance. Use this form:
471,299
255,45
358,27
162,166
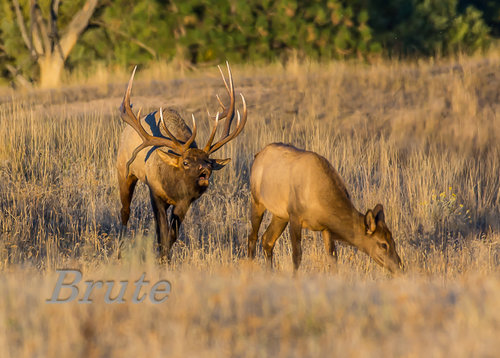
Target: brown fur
303,188
160,151
169,181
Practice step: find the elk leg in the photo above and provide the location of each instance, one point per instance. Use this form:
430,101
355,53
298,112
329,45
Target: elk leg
178,214
127,186
273,231
257,212
329,240
296,236
121,234
160,208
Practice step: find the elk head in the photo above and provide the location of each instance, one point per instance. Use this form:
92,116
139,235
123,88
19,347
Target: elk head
382,248
188,162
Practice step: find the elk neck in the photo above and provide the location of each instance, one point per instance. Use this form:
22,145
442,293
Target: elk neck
349,226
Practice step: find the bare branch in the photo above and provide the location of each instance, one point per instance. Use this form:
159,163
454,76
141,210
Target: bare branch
54,6
54,32
79,22
34,35
22,27
18,77
40,25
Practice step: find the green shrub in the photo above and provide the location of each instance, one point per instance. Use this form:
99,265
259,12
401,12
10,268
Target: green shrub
201,31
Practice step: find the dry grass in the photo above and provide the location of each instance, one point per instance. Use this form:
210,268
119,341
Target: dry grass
421,138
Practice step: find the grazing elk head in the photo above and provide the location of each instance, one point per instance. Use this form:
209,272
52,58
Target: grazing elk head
176,171
381,247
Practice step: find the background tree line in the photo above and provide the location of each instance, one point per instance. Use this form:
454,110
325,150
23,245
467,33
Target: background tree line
34,33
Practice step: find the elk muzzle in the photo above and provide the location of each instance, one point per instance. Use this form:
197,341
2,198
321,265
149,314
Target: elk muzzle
203,176
394,265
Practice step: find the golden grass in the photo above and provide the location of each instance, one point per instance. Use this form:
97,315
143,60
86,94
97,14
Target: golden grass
421,138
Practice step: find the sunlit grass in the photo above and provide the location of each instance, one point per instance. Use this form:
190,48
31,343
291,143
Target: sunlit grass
423,139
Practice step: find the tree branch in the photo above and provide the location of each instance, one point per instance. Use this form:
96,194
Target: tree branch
22,27
18,77
54,32
54,6
127,36
41,26
35,40
79,22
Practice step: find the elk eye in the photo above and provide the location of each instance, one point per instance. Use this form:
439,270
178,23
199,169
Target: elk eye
384,246
185,163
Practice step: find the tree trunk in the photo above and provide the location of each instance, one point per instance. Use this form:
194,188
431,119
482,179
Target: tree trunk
42,40
51,68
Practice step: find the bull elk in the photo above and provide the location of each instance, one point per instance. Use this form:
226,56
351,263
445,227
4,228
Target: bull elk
303,188
160,150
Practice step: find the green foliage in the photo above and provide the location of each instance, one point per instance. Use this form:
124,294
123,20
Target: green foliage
448,211
243,30
199,31
117,29
427,27
13,48
490,12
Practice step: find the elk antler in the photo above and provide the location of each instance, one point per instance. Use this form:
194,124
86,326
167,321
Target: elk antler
148,140
228,113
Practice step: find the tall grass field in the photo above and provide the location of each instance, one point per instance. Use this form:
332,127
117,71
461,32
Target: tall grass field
422,138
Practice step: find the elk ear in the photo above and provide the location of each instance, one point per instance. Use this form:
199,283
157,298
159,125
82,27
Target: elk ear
370,223
378,212
218,164
169,158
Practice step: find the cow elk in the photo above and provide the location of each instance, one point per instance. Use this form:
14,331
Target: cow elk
160,150
303,188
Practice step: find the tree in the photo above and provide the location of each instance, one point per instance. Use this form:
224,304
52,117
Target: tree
41,37
490,10
427,27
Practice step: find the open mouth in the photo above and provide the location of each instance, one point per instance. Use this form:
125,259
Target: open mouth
203,179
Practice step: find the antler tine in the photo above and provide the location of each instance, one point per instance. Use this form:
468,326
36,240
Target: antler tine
239,127
220,103
230,111
129,86
227,112
193,135
223,77
126,111
212,135
134,121
222,114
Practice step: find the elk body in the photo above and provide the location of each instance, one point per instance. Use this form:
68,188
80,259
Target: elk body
302,188
160,150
